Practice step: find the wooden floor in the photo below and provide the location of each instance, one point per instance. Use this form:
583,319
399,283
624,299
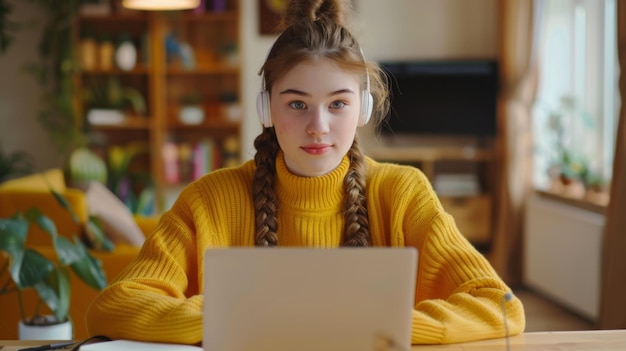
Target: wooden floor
544,315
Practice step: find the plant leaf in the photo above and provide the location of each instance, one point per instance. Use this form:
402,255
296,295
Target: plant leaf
35,267
54,290
46,224
65,204
96,234
67,252
13,233
88,268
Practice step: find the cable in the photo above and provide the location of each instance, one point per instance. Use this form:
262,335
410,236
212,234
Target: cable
90,340
508,297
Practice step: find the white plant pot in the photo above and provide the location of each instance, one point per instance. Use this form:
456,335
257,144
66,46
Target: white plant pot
102,116
191,115
61,331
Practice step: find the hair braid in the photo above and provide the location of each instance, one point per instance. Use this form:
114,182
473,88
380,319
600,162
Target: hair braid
356,229
264,196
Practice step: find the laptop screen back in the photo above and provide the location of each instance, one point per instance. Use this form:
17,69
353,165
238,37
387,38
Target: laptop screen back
308,299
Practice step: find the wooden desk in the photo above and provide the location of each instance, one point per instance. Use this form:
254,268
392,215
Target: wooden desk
595,340
601,340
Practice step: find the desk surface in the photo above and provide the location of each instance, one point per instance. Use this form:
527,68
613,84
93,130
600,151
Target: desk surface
601,340
596,340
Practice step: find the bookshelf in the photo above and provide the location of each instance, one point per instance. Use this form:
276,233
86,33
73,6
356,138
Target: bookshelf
187,71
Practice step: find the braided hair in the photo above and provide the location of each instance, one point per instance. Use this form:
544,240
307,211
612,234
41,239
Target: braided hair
316,29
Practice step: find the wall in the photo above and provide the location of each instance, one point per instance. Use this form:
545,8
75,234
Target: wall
387,30
20,93
398,29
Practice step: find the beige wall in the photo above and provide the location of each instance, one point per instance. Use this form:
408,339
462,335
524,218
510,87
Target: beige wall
20,94
387,30
393,29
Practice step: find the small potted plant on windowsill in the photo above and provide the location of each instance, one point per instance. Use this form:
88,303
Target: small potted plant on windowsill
596,189
568,175
28,268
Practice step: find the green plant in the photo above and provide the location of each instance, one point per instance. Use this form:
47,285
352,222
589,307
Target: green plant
111,94
7,27
14,164
86,166
573,167
190,99
567,162
29,269
133,187
54,70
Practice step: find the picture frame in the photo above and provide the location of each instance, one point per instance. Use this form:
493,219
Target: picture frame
270,13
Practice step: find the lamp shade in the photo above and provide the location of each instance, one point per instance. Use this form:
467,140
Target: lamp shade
156,5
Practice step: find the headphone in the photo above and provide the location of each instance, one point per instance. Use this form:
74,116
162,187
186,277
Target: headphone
367,102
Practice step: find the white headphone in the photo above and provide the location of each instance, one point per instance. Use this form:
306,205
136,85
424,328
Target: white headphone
367,102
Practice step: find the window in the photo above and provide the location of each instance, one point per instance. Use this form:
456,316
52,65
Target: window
577,104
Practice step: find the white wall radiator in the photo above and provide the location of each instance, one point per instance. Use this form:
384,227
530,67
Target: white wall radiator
563,254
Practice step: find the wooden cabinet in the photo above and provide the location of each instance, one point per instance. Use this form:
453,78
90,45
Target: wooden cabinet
187,71
462,175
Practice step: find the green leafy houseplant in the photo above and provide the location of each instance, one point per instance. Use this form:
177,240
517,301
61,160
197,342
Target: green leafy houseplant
29,269
111,94
53,69
7,27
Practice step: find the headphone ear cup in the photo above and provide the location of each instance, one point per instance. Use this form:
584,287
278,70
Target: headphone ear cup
263,109
367,104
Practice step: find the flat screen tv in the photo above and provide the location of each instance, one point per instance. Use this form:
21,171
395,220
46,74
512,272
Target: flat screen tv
442,98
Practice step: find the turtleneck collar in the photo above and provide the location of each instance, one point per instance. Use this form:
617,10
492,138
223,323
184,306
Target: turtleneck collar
310,193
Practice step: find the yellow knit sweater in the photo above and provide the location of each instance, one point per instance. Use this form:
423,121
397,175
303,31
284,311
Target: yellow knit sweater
159,296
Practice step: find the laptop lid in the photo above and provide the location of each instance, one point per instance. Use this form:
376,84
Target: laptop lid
308,299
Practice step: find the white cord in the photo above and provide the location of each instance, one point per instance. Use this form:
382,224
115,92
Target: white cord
506,298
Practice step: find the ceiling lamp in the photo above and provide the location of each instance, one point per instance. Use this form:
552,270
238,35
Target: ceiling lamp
162,5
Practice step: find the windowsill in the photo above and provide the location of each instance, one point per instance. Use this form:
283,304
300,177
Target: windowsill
576,202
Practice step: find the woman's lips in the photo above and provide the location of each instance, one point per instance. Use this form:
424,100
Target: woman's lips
316,149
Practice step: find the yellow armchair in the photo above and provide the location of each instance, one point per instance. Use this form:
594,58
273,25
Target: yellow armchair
34,191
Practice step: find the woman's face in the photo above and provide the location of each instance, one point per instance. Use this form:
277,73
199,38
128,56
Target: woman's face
315,110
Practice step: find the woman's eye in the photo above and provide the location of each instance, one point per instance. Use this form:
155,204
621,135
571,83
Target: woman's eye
337,104
297,105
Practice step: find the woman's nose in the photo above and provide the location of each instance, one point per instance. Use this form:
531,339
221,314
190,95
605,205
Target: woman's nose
318,121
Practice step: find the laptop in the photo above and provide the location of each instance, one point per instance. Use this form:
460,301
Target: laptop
306,299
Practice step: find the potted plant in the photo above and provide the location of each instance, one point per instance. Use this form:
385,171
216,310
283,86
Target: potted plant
29,269
191,111
109,100
597,189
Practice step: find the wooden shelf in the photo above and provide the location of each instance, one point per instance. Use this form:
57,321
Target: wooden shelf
472,213
216,68
162,80
138,70
208,124
431,153
131,123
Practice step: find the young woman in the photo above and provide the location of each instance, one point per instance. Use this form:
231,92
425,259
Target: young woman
309,185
